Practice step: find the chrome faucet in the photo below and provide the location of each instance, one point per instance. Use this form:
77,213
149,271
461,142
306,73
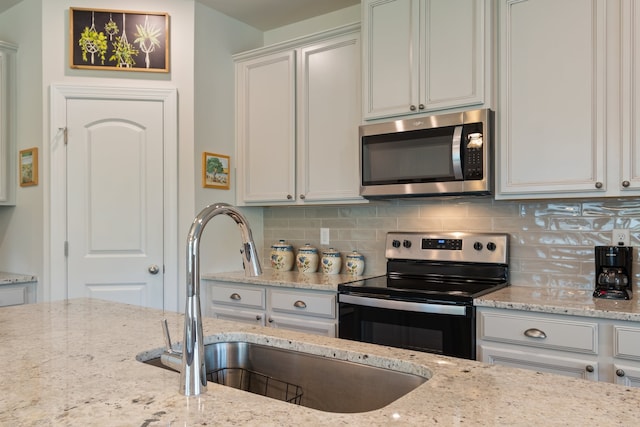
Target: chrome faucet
193,372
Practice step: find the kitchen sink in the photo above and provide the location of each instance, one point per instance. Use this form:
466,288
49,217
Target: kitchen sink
317,382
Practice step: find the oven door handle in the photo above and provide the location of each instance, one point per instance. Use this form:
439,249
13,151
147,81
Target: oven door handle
420,307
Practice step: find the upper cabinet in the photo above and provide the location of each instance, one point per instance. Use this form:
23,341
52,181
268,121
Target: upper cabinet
7,123
569,97
298,108
424,55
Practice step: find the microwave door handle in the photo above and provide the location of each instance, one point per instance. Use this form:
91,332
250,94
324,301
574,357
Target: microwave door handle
456,158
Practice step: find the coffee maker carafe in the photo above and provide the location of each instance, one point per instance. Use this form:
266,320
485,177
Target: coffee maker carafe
613,272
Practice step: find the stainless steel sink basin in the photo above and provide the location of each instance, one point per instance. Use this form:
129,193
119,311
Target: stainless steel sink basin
317,382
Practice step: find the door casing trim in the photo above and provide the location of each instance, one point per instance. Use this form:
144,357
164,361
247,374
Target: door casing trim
56,160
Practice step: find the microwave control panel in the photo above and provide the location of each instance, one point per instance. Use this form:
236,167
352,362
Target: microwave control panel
473,151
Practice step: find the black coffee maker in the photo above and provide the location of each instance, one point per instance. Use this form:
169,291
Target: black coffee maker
613,272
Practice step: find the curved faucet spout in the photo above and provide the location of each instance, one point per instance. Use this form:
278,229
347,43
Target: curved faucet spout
193,376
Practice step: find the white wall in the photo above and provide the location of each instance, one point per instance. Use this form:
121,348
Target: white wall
21,227
218,37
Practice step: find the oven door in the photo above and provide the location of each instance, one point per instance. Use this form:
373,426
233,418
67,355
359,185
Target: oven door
430,327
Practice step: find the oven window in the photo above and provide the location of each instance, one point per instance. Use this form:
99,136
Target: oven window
433,333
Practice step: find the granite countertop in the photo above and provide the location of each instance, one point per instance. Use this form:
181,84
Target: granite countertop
574,302
74,363
289,279
13,278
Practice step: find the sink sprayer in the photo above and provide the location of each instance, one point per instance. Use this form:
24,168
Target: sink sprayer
193,372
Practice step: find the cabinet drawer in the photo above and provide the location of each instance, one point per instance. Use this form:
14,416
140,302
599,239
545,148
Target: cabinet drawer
547,332
13,296
305,303
238,296
626,342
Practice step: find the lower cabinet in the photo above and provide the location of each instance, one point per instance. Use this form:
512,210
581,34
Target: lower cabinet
17,294
589,348
300,310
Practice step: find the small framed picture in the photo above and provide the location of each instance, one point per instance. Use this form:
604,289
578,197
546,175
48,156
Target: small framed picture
29,167
215,171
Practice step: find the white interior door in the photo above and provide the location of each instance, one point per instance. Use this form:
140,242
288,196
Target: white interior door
115,179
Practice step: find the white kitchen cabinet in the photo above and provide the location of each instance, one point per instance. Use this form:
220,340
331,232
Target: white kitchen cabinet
583,347
301,310
424,55
17,294
298,108
568,97
543,343
626,353
8,159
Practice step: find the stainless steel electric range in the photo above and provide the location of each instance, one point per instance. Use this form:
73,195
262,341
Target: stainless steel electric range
425,301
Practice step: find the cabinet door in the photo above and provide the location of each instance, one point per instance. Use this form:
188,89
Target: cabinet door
8,159
329,112
630,93
391,54
627,374
566,364
253,317
302,324
265,114
453,56
552,97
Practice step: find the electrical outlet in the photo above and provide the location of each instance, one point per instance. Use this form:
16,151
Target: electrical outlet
324,236
620,237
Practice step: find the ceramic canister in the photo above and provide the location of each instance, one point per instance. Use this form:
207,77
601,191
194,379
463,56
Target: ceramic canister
331,261
282,256
307,259
354,263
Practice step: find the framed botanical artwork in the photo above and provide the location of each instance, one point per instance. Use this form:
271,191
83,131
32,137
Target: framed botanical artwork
118,40
29,167
215,171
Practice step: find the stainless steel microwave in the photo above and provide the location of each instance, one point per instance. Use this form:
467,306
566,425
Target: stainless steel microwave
447,154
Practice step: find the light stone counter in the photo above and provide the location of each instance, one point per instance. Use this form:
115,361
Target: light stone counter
74,363
574,302
289,279
13,278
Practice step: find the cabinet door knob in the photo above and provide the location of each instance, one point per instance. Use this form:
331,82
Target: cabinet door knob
620,372
302,196
412,108
289,197
258,317
598,185
535,333
421,106
626,184
589,368
270,320
300,304
235,296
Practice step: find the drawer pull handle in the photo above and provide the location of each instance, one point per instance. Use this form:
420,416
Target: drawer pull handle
235,296
620,372
300,304
589,368
535,333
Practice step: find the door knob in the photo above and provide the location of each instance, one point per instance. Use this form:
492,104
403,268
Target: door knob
154,269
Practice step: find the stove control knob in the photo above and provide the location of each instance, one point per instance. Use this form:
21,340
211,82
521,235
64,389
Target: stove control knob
477,246
491,246
406,243
395,243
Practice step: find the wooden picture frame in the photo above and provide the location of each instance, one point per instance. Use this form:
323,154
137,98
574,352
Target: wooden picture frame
216,171
28,167
118,40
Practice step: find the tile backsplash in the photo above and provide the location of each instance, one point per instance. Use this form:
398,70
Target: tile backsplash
551,240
